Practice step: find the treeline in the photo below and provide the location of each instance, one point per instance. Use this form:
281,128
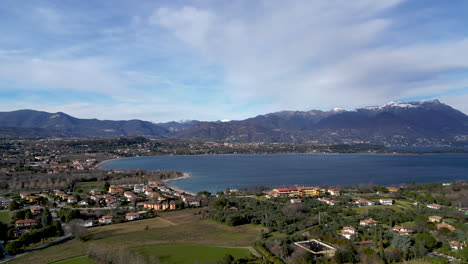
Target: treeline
34,236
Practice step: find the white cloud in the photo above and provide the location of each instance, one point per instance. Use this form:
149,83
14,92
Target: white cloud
86,74
307,54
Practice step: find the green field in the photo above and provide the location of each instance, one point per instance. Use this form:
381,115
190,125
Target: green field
5,217
190,253
75,260
364,209
179,228
88,186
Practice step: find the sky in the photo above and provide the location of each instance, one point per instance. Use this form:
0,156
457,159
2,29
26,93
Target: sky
163,60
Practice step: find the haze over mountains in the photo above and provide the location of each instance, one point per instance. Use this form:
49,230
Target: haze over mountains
423,123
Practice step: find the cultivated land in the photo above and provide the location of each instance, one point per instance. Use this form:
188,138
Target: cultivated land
175,230
75,260
191,253
5,217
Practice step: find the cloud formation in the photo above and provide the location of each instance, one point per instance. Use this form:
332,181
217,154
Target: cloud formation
306,53
169,60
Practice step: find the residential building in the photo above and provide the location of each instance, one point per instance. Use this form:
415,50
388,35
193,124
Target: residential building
106,219
83,203
368,222
172,205
402,230
132,216
348,232
364,202
435,219
295,201
386,201
116,189
26,223
334,192
434,206
87,223
32,198
445,225
455,245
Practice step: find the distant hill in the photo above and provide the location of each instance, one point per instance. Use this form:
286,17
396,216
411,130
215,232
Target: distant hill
423,123
79,127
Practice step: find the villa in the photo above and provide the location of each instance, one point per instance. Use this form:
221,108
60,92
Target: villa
368,222
348,232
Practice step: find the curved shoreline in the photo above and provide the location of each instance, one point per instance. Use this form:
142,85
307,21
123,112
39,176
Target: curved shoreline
185,175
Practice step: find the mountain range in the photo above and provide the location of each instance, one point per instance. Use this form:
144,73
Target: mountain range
422,123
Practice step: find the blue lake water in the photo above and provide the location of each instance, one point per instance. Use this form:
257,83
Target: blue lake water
217,172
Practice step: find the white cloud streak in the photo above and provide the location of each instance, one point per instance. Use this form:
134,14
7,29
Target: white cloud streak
307,54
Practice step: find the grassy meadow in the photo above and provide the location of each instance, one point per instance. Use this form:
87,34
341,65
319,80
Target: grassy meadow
180,229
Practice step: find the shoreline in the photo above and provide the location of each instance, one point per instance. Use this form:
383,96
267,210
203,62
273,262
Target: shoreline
185,175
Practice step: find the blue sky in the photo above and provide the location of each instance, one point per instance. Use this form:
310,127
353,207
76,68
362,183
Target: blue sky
214,60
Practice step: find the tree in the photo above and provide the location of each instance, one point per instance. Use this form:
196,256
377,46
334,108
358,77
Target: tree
227,259
28,215
204,193
78,230
46,217
106,186
345,255
14,247
14,205
3,231
401,242
426,240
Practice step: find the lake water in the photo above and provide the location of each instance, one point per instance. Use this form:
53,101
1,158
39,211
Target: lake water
217,172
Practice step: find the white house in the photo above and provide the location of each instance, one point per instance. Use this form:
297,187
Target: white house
368,222
402,230
455,245
295,201
83,203
106,219
364,202
386,201
132,216
87,223
434,206
348,232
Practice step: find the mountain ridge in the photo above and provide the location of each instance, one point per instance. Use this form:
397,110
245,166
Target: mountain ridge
428,122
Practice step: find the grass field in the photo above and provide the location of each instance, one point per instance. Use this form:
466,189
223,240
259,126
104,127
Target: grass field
174,230
5,217
75,260
363,210
186,254
88,186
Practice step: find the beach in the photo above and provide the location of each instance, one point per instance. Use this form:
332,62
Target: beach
185,175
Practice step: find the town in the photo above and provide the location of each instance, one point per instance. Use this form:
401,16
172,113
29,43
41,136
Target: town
55,196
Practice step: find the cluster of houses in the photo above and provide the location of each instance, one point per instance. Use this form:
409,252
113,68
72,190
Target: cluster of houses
350,232
302,191
54,164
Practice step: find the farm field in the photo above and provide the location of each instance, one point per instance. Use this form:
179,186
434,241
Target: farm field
191,253
363,210
5,217
75,260
88,186
152,232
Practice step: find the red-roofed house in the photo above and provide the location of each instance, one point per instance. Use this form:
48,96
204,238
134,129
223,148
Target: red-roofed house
348,232
26,223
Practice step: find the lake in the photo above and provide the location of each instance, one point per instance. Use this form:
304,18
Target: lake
217,172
